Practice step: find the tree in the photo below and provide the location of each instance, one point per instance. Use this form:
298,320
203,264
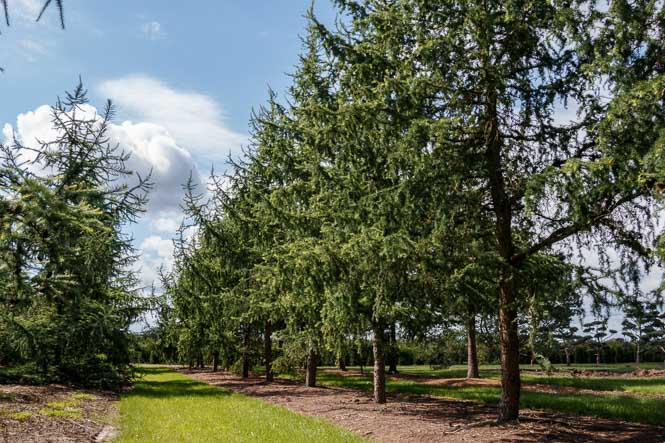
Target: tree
643,323
67,290
500,71
599,333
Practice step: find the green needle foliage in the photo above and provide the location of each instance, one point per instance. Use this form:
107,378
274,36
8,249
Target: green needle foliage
67,291
422,175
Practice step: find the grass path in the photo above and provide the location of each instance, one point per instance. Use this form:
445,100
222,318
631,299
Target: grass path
166,406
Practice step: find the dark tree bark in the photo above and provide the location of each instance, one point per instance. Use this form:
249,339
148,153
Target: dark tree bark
378,345
247,343
393,354
341,363
215,361
510,356
310,379
508,334
199,360
471,347
267,350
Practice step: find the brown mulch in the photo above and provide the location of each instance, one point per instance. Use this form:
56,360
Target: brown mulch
27,414
416,418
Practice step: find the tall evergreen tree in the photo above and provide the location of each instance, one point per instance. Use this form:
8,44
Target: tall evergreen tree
68,292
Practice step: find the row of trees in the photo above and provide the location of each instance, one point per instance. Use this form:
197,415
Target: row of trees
68,293
422,174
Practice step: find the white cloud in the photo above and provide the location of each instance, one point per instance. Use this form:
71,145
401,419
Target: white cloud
153,30
194,119
157,245
167,222
152,147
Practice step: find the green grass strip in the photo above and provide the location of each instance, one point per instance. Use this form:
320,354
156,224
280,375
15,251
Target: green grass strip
631,408
166,406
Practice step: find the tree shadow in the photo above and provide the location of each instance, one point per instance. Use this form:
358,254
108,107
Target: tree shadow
181,387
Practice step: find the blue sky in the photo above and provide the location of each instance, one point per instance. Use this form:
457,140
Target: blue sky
184,76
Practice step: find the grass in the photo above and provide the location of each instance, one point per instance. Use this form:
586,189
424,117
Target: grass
65,409
20,416
83,396
73,413
632,408
168,406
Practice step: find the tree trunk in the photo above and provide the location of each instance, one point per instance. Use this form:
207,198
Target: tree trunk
471,348
509,404
310,379
199,360
341,363
267,349
637,353
508,335
378,346
598,357
247,342
215,361
567,351
393,353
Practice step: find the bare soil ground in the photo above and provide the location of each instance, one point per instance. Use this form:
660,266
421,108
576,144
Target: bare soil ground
55,413
415,418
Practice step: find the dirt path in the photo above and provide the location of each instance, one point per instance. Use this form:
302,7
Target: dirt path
415,418
55,413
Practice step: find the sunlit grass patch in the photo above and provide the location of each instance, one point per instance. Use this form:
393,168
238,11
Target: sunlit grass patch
65,408
167,406
20,416
83,396
71,403
73,413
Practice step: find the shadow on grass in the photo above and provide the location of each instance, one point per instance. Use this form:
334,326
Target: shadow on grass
165,383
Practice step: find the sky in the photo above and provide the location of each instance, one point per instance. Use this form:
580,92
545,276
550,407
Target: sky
184,77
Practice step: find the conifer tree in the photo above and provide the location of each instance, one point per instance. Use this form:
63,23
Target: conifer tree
68,290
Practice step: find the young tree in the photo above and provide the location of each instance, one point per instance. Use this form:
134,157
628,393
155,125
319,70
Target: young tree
599,333
643,323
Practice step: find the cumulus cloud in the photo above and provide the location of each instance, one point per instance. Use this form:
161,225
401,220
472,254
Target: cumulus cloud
158,246
167,222
153,30
194,119
153,149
